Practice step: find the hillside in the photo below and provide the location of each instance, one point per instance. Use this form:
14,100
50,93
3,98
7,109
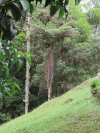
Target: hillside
74,112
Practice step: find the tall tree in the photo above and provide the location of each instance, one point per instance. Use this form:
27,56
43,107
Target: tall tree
49,71
27,67
18,9
51,37
27,82
93,17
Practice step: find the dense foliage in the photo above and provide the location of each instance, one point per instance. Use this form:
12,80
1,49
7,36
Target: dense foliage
15,10
18,9
94,16
76,58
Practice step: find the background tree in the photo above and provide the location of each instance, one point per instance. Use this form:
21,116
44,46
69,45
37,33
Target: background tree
93,17
17,9
27,66
55,36
7,33
73,58
96,3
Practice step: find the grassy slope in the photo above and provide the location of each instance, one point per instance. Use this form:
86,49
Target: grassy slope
55,116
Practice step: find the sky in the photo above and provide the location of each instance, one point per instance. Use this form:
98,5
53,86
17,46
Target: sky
88,3
84,1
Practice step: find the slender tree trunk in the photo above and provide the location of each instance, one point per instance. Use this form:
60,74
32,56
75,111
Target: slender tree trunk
27,67
58,91
49,73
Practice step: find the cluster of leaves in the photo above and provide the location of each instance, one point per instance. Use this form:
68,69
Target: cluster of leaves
78,17
15,105
18,9
80,60
4,118
93,16
75,52
8,54
95,86
8,57
95,89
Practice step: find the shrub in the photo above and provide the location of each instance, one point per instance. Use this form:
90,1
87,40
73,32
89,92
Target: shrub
4,117
95,88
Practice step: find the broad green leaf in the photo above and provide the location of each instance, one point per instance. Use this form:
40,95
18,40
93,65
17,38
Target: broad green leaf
61,13
58,7
58,3
7,72
23,13
28,59
6,92
66,12
53,3
24,4
66,2
50,6
22,35
10,33
31,9
5,23
16,85
13,31
20,41
12,90
28,5
47,2
18,66
21,53
53,10
8,83
77,2
27,53
15,12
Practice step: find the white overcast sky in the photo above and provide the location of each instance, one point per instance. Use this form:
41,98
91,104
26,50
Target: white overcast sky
88,3
84,1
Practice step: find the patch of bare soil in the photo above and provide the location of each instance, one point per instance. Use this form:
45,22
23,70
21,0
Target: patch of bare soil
85,84
26,132
68,100
95,114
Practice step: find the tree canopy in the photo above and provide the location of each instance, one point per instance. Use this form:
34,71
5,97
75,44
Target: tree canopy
18,9
94,16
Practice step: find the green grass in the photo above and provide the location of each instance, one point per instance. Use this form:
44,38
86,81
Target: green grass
56,116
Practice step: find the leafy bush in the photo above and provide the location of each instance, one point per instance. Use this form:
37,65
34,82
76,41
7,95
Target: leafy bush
95,86
4,117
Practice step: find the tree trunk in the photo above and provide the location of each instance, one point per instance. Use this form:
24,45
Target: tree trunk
49,71
58,91
27,67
